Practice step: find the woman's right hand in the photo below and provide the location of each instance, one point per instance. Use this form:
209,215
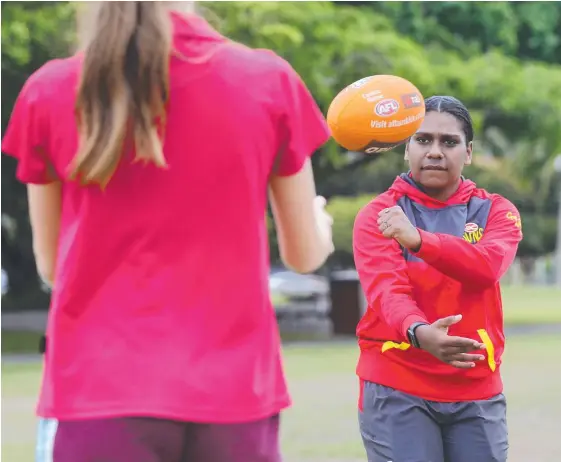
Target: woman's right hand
303,226
324,222
452,350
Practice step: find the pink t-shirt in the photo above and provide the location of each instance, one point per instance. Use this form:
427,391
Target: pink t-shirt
161,303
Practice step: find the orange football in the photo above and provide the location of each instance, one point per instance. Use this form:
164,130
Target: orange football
376,114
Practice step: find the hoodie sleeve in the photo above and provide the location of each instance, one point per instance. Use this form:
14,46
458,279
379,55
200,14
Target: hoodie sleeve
483,263
382,270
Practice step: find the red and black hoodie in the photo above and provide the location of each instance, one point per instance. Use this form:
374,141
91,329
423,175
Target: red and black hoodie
468,243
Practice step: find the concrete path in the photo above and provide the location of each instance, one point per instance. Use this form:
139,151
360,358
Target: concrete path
34,321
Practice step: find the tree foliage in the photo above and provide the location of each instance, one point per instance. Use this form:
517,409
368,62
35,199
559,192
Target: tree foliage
502,59
525,30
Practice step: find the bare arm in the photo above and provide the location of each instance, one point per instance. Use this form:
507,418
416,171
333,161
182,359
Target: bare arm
45,203
303,229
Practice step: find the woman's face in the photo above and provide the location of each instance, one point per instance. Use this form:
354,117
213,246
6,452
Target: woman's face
438,152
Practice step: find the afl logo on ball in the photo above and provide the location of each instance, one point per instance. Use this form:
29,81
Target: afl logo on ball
387,107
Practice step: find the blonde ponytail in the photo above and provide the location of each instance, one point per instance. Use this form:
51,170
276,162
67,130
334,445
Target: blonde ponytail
123,88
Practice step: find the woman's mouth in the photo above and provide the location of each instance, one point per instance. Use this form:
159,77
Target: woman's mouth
438,168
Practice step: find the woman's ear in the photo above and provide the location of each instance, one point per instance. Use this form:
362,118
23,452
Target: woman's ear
469,152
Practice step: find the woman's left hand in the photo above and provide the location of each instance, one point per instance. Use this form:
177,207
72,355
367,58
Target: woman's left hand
394,224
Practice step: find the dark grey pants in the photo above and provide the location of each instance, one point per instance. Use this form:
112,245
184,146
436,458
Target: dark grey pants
398,427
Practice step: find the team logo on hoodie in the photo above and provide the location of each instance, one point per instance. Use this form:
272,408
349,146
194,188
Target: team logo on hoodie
473,233
515,219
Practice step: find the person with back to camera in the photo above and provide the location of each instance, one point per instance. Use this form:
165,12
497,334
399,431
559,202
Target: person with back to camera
148,159
430,252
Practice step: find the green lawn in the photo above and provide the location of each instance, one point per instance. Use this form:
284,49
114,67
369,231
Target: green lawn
531,305
321,426
20,341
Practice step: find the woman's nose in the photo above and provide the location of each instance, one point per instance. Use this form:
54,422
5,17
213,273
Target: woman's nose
434,152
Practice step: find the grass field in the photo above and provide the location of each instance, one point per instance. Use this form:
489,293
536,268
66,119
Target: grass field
531,305
321,426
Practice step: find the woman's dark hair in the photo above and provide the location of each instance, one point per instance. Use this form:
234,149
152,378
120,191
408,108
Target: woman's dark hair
455,108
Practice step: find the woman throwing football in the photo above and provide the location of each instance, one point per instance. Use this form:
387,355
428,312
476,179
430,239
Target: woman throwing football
430,252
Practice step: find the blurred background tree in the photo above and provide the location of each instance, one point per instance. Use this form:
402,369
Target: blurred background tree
32,33
502,59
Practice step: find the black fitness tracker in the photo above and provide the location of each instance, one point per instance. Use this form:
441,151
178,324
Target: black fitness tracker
411,333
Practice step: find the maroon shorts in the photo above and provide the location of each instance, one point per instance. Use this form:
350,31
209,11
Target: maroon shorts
155,440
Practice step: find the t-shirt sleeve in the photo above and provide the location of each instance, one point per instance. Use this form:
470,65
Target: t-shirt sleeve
303,128
26,138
